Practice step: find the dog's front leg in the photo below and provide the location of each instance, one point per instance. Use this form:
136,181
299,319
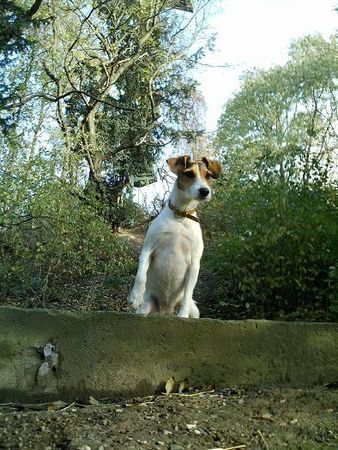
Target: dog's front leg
190,283
137,294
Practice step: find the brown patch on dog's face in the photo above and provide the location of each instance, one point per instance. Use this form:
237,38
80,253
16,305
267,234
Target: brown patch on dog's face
213,166
188,176
205,173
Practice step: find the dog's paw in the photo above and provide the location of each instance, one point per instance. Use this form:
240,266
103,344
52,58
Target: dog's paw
136,298
194,311
190,311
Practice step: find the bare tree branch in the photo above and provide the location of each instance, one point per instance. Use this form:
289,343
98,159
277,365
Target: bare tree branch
34,9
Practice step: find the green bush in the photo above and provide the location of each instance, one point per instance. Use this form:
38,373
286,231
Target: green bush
274,251
56,248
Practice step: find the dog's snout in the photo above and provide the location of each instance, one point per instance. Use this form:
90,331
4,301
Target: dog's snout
204,192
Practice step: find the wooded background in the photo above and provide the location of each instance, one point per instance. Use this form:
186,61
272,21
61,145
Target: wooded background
91,93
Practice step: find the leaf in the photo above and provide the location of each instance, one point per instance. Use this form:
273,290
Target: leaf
48,349
44,370
169,386
182,385
93,401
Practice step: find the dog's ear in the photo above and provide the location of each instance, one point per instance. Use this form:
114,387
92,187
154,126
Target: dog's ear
214,167
179,164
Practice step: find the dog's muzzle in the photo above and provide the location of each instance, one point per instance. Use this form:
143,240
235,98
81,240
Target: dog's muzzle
204,192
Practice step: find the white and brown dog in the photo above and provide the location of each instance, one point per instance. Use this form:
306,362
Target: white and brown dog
170,259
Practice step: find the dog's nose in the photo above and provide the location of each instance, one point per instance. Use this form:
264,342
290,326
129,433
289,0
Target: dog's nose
204,192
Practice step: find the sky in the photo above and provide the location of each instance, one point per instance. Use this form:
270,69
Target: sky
256,33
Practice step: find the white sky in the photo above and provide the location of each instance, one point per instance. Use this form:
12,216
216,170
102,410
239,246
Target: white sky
256,33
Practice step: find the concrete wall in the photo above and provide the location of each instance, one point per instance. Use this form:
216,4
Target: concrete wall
120,355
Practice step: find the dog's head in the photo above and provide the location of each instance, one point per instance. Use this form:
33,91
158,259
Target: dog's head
194,177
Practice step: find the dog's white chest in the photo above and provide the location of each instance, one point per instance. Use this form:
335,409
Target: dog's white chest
183,232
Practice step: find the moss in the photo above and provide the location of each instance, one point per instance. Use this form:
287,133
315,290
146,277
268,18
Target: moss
7,351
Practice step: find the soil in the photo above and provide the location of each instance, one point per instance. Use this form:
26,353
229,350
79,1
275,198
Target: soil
266,418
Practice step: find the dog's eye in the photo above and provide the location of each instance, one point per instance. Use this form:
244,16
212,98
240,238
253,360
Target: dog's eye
189,174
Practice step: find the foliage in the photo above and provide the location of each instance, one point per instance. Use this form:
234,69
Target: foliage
273,251
110,79
274,219
56,246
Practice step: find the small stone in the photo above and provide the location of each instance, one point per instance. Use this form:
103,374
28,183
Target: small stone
48,349
191,426
166,432
43,370
197,431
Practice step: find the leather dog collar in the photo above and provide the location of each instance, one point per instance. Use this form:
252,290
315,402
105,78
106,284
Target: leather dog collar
183,213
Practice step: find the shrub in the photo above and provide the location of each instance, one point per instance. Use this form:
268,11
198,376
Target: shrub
273,250
61,250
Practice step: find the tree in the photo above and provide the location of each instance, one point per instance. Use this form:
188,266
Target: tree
282,123
114,73
274,216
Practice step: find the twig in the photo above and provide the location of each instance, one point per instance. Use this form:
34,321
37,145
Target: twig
268,419
67,407
229,448
194,394
263,439
139,404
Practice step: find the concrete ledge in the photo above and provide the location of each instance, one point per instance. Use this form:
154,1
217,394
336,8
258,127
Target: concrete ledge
119,355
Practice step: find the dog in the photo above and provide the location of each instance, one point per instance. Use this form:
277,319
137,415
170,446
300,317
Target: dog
170,259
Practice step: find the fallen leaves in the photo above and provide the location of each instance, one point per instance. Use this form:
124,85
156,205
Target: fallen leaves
172,387
182,385
93,401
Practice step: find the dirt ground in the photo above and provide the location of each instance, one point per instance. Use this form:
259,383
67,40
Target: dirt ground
266,418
